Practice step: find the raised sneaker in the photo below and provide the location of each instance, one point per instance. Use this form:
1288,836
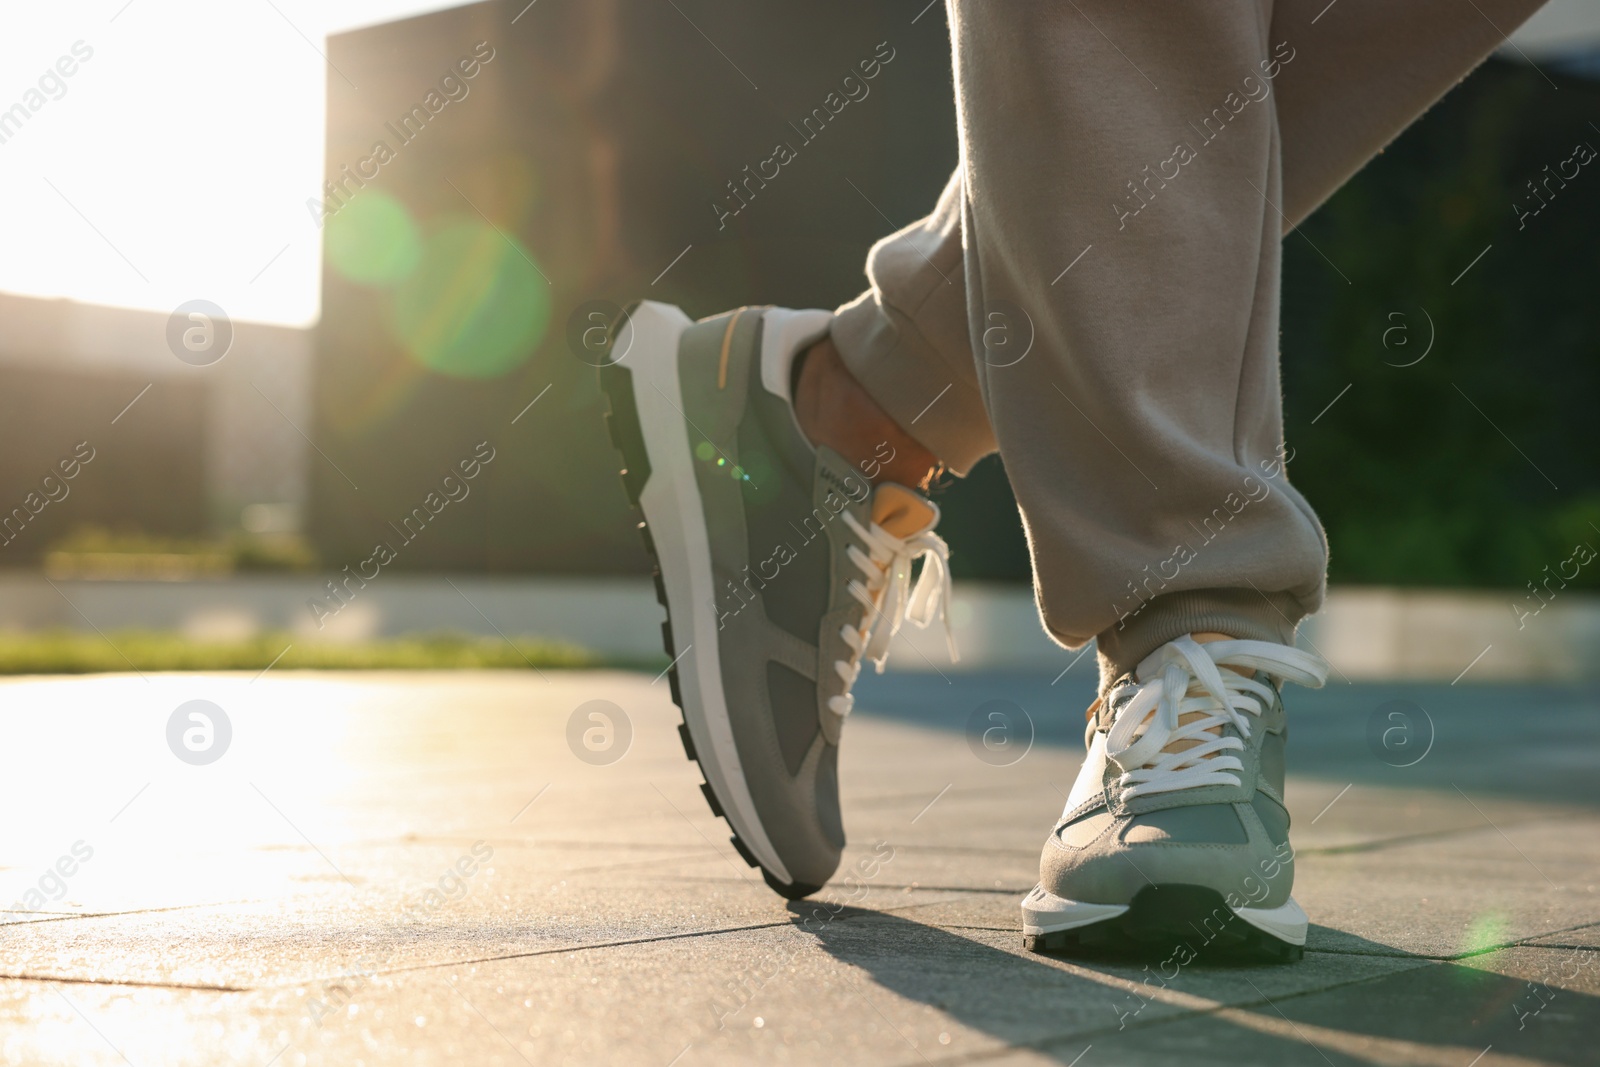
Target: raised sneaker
1176,832
781,567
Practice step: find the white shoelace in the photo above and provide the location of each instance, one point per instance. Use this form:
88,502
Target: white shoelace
886,566
1190,680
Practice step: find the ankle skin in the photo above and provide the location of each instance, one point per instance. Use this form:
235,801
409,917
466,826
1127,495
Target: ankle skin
834,410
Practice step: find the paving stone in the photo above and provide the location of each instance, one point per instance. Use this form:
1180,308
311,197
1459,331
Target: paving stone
1518,1006
303,896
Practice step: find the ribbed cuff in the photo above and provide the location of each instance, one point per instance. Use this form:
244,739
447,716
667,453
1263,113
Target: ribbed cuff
910,379
1241,613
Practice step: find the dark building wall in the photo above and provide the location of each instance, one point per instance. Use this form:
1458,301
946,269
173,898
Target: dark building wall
599,136
146,472
602,137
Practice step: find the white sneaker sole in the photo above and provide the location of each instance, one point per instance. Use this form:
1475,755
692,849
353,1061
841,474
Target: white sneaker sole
675,518
1044,913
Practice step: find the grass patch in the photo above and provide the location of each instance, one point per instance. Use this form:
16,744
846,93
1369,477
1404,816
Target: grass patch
72,652
95,552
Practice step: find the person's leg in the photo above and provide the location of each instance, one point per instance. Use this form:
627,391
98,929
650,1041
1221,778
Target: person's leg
1146,274
906,341
1125,179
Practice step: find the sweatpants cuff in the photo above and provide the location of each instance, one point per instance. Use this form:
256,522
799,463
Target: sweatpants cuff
1242,613
910,379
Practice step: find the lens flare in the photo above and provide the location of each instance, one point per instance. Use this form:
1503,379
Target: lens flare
372,240
475,307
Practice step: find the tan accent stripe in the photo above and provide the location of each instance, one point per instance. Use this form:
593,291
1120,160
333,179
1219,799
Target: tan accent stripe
727,339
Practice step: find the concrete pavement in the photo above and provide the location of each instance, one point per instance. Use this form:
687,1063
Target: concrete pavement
420,868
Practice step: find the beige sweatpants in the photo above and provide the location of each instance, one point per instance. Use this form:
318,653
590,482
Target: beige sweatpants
1096,293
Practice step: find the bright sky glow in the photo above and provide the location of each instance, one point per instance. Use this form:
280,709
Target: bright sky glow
175,162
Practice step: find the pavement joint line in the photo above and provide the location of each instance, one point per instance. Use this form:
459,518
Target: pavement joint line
474,961
1313,850
57,979
589,845
1526,942
56,917
1529,941
1406,839
787,923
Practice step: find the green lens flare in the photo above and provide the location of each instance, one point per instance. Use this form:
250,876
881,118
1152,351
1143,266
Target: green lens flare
373,241
475,307
1485,932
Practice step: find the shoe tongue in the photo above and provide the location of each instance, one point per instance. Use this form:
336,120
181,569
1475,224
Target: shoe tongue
903,512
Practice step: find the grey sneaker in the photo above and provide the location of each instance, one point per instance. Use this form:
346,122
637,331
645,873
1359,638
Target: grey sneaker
1176,829
780,565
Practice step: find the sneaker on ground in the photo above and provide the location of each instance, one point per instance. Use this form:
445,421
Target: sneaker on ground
781,566
1176,832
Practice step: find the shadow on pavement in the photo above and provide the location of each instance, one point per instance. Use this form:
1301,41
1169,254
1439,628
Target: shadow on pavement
1455,1008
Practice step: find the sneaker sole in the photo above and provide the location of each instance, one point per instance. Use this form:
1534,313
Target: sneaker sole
1162,916
647,427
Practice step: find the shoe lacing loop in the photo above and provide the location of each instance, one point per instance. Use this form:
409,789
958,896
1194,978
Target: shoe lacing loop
1186,677
888,597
